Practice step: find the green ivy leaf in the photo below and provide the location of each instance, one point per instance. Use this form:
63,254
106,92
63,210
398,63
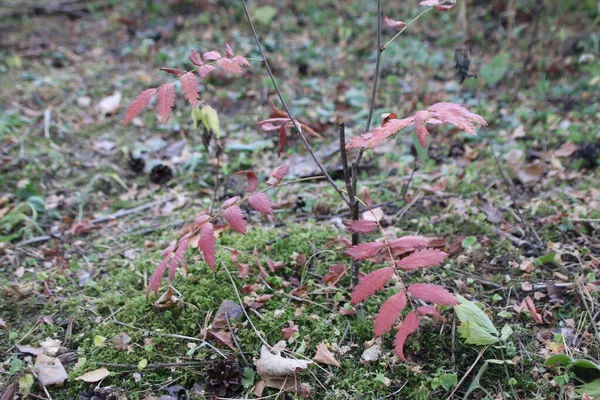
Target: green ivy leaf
591,389
448,381
142,364
248,377
25,384
469,241
558,358
476,327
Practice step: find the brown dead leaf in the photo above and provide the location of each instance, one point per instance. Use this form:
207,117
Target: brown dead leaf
94,376
228,310
566,150
324,356
371,354
49,370
532,311
3,324
531,173
167,300
222,337
122,341
9,392
514,158
288,332
50,346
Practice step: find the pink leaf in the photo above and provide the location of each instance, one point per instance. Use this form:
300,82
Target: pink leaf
432,293
422,259
430,310
289,331
157,276
241,61
361,226
371,283
457,115
282,140
408,326
260,202
367,198
389,313
420,121
228,50
138,104
277,174
409,241
190,88
174,71
204,70
208,244
166,101
392,23
380,134
228,203
168,250
235,216
229,65
211,56
252,180
365,250
195,58
179,254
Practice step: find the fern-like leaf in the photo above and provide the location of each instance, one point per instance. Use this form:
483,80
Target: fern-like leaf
361,226
389,313
392,23
230,65
409,242
195,58
138,104
371,283
430,310
228,203
252,180
278,174
407,326
190,88
260,202
179,254
211,56
365,250
157,276
235,217
204,70
433,294
208,244
422,259
174,71
166,101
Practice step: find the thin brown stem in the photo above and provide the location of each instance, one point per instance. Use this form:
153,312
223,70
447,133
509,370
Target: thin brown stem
377,68
287,110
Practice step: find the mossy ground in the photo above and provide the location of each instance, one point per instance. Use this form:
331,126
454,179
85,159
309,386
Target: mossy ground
93,284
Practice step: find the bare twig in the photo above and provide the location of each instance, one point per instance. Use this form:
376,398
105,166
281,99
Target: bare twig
287,110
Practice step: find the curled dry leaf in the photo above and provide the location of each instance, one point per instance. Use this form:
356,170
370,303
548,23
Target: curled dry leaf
532,173
324,356
109,105
271,363
49,370
94,376
372,353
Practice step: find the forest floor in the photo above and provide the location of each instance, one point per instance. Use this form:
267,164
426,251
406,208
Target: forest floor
85,212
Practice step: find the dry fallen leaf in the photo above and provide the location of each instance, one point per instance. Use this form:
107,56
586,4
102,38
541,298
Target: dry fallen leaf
374,215
531,173
271,363
566,150
49,370
514,158
122,341
30,349
324,356
372,353
109,105
532,311
50,346
94,376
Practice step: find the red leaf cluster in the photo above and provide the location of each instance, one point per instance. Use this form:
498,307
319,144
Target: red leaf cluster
189,83
436,114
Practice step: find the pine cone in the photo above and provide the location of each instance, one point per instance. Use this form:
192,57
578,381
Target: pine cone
224,378
161,174
136,164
